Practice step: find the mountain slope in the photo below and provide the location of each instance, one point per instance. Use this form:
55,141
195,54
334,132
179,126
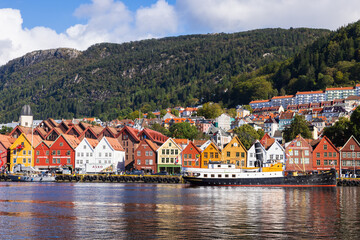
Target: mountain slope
330,61
110,80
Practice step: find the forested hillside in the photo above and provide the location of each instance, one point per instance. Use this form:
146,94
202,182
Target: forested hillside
330,61
111,80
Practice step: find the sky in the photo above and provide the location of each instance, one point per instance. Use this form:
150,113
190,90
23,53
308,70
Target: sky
29,25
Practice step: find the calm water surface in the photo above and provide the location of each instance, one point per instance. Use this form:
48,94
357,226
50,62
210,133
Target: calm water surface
152,211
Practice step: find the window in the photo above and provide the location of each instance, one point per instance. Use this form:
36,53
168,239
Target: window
90,154
82,154
167,151
68,153
138,153
109,154
185,156
306,152
344,155
54,161
146,162
211,155
37,152
146,153
352,147
291,161
29,160
291,152
196,163
87,161
78,154
330,154
205,155
106,154
24,152
58,152
104,146
335,162
14,160
190,156
325,154
14,152
325,162
47,153
212,175
306,161
150,153
163,151
318,162
47,160
61,144
37,160
242,154
296,152
138,162
334,154
84,146
162,160
251,155
176,151
296,161
349,155
325,147
169,144
185,163
150,161
87,154
100,154
172,151
58,160
216,155
167,160
298,144
242,163
172,160
354,154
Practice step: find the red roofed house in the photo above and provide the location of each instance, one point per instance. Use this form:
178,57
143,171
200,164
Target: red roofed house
63,151
299,157
110,155
325,155
42,155
191,156
153,136
350,157
5,143
146,156
128,137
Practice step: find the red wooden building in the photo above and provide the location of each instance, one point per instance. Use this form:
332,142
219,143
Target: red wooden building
350,157
42,155
299,155
130,141
145,156
5,143
63,151
191,156
325,155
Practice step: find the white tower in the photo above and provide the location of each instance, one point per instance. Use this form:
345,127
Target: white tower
26,116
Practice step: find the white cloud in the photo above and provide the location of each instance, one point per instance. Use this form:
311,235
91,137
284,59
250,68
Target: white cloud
107,21
240,15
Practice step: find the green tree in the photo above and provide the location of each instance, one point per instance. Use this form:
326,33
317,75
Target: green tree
298,126
5,130
150,115
210,110
133,115
247,135
183,130
163,112
175,112
340,132
232,112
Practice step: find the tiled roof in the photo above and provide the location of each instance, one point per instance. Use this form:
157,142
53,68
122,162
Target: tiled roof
280,97
259,101
92,142
6,140
309,92
34,139
115,144
339,88
72,140
153,146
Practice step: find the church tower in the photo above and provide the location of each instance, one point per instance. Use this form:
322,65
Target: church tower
26,116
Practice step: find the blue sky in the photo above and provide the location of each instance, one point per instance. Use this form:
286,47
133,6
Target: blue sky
28,25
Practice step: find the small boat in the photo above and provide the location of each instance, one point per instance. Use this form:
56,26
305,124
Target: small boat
219,174
32,177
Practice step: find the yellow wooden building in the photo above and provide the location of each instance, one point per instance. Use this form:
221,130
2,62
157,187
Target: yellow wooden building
210,153
234,153
22,152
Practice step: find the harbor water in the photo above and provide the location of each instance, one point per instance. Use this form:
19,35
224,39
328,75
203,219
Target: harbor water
176,211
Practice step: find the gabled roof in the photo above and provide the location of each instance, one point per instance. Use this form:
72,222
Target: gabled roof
132,131
42,133
74,128
6,140
115,144
25,130
191,144
267,141
88,129
93,142
153,146
180,142
57,130
34,140
71,140
287,115
352,137
153,135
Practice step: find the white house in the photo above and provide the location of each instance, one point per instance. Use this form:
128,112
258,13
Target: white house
84,154
275,153
110,155
223,121
270,126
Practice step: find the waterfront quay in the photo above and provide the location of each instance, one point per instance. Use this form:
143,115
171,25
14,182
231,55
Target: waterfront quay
112,178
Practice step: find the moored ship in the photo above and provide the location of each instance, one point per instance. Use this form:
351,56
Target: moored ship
218,174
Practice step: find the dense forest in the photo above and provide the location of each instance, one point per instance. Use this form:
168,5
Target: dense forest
112,80
332,60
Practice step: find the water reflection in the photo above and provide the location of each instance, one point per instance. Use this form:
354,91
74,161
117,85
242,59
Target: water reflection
127,211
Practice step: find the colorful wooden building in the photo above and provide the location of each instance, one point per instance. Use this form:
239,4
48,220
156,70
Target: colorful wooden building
191,156
210,153
234,153
299,155
146,156
325,155
350,157
169,157
63,151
